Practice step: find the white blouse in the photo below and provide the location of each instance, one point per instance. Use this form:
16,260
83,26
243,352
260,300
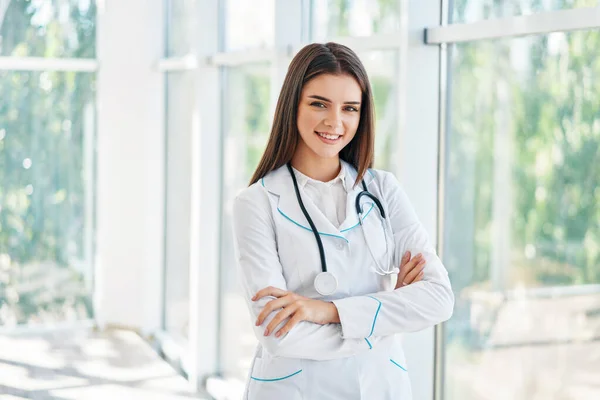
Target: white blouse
329,197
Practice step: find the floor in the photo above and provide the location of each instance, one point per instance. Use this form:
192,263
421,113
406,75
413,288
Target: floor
86,365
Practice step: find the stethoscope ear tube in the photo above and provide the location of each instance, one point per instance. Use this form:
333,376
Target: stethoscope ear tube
309,219
365,192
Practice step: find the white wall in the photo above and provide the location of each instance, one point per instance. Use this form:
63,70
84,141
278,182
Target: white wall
130,154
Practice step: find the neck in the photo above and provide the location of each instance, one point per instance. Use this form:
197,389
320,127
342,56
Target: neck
321,169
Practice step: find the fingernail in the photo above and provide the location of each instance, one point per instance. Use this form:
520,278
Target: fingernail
278,334
266,332
257,324
253,297
405,255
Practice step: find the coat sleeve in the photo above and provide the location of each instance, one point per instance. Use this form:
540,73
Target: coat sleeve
410,308
259,266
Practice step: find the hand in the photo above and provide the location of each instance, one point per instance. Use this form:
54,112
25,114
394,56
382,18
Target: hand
411,270
297,308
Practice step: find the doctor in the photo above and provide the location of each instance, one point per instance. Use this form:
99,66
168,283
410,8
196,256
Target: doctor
319,236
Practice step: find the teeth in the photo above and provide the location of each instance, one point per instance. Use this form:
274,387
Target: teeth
326,136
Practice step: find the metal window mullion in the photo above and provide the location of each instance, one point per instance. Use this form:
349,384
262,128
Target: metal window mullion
284,48
540,23
48,64
417,147
205,210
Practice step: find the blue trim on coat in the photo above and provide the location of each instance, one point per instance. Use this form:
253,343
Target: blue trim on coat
369,343
358,223
275,379
376,314
310,230
327,234
398,365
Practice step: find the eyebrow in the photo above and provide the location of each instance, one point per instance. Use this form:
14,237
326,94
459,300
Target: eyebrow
314,96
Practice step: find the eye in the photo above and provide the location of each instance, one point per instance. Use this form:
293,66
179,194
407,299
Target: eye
317,104
353,109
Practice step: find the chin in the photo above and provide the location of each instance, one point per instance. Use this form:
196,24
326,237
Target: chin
328,153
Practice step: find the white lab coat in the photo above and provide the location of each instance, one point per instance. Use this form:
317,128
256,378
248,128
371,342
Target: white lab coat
361,358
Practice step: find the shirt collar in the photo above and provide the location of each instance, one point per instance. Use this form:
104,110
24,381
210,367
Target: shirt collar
303,180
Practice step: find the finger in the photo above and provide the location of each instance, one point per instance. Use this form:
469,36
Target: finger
407,267
419,277
269,291
412,263
290,324
405,259
272,306
281,315
410,277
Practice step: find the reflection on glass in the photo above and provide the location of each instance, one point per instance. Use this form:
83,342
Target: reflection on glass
46,173
336,18
182,29
249,24
246,130
465,11
522,218
51,28
180,103
383,70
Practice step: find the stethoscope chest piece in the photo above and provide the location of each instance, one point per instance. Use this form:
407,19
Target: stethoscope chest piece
326,283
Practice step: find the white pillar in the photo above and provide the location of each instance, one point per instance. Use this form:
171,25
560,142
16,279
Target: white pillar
417,150
205,228
130,154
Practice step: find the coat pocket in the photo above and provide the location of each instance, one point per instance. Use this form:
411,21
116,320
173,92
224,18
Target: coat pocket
276,378
399,369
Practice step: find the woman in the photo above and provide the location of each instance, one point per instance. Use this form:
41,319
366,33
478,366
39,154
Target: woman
327,313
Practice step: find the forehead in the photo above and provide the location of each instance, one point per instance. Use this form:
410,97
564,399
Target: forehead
334,87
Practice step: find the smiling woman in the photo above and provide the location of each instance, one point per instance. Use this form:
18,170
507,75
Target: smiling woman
329,314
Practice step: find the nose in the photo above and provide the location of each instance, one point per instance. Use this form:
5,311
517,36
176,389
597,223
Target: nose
334,120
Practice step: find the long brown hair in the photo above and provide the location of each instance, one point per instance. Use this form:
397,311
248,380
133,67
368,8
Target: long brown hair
311,61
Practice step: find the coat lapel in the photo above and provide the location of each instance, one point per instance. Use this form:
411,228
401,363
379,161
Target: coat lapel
279,183
367,205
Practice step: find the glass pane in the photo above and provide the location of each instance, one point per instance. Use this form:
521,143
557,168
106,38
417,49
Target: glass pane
464,11
243,17
52,28
522,218
246,130
46,193
336,18
181,27
180,101
383,70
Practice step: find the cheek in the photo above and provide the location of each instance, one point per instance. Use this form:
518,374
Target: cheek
352,126
307,123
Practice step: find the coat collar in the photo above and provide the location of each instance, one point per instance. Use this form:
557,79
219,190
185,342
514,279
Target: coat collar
279,183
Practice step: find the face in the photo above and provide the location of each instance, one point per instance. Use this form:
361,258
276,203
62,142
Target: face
328,115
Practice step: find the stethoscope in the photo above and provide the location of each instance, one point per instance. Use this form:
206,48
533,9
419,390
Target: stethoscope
325,282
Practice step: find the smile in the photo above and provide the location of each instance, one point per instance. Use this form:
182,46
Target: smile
327,137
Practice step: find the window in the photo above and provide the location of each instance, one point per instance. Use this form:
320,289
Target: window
48,28
522,222
182,31
383,69
466,11
337,18
246,130
46,196
243,17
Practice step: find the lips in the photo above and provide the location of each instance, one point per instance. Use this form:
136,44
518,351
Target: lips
328,137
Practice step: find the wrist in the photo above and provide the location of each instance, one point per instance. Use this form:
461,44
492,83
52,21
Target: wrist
334,315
